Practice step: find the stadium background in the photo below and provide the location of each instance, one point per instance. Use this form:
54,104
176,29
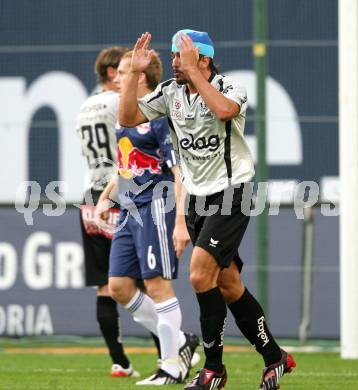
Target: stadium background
47,50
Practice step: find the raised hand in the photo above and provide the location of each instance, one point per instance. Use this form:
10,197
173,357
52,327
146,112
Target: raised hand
142,56
189,54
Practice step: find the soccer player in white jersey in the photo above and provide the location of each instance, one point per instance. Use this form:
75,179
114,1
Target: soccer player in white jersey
147,242
207,117
96,128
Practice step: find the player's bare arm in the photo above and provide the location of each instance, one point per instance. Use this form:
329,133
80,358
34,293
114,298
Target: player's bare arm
130,114
180,234
224,108
105,201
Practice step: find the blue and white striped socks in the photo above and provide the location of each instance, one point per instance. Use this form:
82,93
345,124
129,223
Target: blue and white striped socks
143,311
170,335
164,320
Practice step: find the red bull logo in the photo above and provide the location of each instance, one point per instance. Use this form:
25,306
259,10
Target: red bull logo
133,162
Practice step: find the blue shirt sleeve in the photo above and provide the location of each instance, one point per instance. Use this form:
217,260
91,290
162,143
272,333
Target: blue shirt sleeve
161,132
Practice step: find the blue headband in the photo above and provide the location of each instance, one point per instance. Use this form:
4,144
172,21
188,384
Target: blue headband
200,40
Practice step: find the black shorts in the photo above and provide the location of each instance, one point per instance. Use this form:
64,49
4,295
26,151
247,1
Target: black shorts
220,230
96,251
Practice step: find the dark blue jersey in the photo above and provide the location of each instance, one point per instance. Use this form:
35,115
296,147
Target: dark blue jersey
145,156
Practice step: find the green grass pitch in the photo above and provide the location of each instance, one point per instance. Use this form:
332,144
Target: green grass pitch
36,371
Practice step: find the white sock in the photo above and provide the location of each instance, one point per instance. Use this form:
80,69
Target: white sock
169,323
182,339
143,311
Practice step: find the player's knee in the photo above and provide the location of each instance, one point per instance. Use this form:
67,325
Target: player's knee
231,292
227,294
152,290
159,289
201,281
119,292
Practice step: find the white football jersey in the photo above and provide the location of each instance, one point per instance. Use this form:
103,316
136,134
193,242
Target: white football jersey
212,154
96,127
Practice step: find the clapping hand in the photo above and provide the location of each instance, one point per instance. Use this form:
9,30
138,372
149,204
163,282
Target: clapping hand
142,56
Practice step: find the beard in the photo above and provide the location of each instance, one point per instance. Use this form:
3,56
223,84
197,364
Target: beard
182,81
180,77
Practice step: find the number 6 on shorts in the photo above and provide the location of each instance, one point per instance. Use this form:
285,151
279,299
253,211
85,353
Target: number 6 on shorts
151,258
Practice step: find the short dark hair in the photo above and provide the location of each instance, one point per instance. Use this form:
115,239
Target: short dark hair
109,57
